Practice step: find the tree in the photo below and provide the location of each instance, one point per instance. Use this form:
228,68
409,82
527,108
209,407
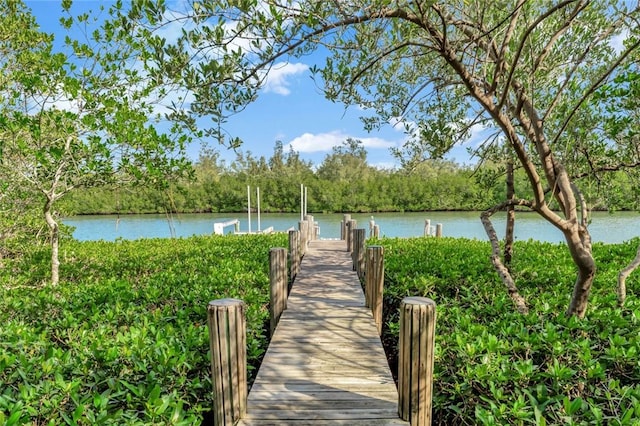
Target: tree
531,69
347,170
79,117
621,101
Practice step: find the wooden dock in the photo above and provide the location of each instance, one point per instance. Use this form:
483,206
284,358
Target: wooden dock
325,364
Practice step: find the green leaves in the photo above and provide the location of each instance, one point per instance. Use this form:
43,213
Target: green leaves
123,340
78,114
495,366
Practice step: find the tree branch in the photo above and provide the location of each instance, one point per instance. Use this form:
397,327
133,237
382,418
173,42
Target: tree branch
525,36
566,25
596,84
500,64
502,270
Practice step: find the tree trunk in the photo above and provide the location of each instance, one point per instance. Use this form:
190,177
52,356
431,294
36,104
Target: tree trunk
579,243
502,270
54,234
511,217
622,278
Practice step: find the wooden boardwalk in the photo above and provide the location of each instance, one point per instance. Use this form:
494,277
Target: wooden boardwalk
325,364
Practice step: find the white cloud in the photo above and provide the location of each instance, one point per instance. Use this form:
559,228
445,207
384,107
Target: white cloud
309,142
277,80
478,134
617,41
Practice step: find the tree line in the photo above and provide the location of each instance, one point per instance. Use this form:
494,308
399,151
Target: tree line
343,182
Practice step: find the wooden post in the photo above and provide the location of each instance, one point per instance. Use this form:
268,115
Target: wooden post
278,281
343,226
310,227
438,230
294,252
427,228
358,251
376,231
374,283
304,235
249,209
228,344
415,360
351,226
301,201
258,206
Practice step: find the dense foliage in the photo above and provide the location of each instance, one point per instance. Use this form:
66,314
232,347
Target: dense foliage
494,366
123,338
76,111
342,182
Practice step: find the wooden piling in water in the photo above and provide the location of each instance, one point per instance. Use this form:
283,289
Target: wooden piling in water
438,230
427,228
228,343
310,228
415,360
343,226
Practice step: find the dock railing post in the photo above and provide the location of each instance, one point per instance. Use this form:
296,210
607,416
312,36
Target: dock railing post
228,343
294,253
376,231
438,230
374,283
278,285
351,226
415,360
310,227
343,226
358,251
303,225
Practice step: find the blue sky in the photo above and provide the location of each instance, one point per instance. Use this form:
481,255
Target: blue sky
290,108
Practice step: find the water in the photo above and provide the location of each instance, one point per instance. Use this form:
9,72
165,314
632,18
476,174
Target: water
605,227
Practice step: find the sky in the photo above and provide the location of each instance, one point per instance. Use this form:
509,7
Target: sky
290,108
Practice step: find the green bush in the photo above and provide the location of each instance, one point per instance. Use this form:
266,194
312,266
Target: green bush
494,366
123,340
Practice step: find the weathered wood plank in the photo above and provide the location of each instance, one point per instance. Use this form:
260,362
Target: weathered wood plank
323,404
320,422
315,394
306,387
329,414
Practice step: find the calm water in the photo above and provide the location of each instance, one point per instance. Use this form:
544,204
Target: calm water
605,227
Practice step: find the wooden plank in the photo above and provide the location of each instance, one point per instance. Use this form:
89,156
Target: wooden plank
328,414
316,394
306,386
323,404
320,422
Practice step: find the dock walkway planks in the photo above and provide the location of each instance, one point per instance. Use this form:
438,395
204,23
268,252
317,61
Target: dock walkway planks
325,364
